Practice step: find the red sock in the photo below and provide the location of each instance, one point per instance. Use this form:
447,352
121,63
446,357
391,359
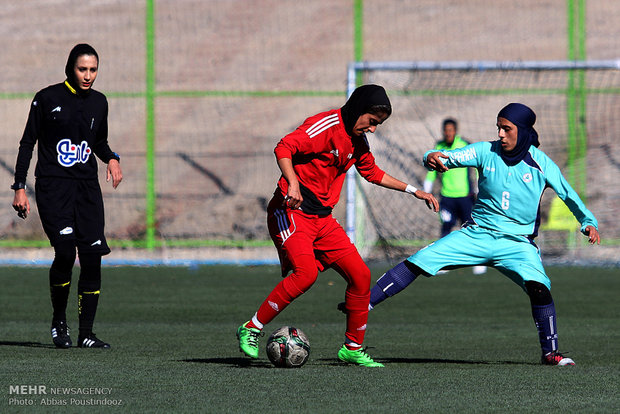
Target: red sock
275,303
294,285
353,269
357,317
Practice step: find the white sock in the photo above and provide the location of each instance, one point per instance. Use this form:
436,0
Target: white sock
256,322
350,344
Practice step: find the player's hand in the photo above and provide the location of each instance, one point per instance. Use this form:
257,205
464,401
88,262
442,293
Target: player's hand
114,171
431,201
21,204
593,236
433,161
293,198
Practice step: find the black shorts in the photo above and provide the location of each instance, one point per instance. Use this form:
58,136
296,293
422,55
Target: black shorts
72,210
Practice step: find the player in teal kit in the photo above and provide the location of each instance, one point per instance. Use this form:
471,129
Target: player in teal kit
513,173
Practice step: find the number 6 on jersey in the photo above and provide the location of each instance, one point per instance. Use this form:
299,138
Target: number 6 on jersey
505,200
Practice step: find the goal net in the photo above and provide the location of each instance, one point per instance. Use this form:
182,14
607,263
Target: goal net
577,106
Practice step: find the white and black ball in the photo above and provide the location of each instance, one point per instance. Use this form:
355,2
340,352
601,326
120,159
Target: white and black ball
288,347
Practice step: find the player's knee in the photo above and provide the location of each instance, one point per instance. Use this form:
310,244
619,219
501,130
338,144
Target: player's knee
64,257
356,273
539,294
299,282
359,281
303,277
414,269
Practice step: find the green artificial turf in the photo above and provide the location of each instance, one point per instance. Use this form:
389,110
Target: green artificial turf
455,343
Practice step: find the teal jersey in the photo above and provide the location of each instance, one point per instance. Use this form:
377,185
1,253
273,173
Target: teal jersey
509,196
454,183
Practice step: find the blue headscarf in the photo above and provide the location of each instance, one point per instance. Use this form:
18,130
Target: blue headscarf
524,118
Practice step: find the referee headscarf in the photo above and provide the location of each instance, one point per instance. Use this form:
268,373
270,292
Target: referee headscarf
77,51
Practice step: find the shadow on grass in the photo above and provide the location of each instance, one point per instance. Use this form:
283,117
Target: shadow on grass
387,361
240,362
26,344
234,362
448,361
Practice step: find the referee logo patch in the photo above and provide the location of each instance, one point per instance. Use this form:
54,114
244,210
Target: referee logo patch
70,153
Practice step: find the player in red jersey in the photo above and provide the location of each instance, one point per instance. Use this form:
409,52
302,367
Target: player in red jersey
314,160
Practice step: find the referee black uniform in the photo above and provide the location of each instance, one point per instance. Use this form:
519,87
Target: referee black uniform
70,125
71,129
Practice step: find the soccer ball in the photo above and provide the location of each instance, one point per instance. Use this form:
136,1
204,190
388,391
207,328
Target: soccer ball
288,347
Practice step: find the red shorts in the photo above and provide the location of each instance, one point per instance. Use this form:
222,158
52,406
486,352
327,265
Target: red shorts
295,233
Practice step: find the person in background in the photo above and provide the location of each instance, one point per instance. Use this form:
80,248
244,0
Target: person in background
457,195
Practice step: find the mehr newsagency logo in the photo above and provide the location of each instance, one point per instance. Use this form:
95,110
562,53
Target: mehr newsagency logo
30,395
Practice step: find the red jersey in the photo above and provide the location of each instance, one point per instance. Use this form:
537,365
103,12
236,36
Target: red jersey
322,152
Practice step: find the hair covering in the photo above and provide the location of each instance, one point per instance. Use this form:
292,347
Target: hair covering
524,118
77,51
359,103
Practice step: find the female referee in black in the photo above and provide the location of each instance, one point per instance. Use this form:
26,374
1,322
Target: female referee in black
70,122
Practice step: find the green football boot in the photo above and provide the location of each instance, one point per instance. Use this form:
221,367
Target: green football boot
357,357
248,340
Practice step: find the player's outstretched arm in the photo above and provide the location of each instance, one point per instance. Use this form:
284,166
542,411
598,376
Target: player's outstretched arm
395,184
593,236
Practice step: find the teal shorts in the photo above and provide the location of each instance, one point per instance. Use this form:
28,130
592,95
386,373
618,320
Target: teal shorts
515,256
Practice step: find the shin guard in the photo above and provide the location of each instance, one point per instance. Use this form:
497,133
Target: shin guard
89,287
294,285
60,279
357,318
545,320
392,282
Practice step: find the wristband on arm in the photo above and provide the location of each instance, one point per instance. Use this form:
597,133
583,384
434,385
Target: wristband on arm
410,189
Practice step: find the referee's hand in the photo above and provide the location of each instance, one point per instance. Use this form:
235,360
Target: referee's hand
21,203
114,171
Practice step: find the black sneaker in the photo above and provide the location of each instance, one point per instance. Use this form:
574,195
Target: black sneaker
60,334
342,307
91,341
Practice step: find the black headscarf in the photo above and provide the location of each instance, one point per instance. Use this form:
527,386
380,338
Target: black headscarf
360,102
524,118
77,51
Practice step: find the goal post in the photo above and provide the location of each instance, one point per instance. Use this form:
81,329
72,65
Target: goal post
576,102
